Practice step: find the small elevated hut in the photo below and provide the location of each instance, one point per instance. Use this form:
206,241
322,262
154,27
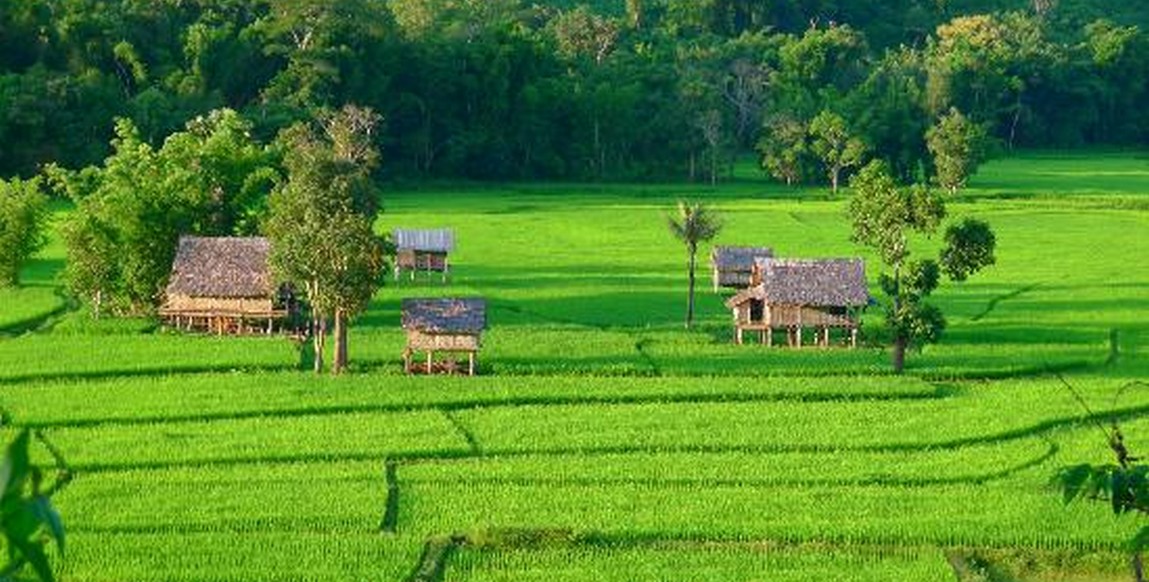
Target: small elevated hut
443,329
223,285
796,294
423,250
731,266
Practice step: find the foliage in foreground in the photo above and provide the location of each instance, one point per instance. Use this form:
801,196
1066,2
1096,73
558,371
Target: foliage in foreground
1124,485
28,520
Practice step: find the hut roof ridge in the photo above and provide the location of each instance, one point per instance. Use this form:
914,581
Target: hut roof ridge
733,257
833,282
439,240
229,266
445,314
818,282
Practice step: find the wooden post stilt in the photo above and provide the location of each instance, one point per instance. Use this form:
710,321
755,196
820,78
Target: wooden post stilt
738,335
770,337
798,338
470,363
430,355
853,337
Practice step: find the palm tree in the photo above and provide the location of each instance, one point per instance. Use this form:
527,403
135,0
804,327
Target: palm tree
693,223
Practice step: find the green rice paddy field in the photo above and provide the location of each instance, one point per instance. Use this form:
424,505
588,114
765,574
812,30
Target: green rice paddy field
602,440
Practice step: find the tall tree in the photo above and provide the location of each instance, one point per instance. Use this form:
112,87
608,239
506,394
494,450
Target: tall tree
327,48
321,218
834,145
709,124
784,149
693,223
817,69
587,39
208,179
888,111
22,213
883,216
987,66
128,203
959,146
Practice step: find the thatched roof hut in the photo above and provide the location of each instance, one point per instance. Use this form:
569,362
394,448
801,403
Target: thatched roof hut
221,284
822,282
795,293
423,250
731,266
444,326
221,267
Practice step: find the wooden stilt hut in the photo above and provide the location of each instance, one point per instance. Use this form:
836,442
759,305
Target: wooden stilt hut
423,250
223,285
442,330
791,295
731,266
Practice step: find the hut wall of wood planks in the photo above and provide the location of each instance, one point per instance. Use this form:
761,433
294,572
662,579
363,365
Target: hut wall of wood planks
731,266
441,331
790,295
424,251
222,285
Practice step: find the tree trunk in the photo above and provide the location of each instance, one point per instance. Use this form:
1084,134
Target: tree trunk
900,344
1016,119
690,287
318,341
713,166
635,12
900,339
599,154
835,173
1138,568
339,357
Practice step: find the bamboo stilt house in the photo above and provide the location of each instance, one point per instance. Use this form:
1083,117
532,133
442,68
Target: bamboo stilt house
223,285
731,266
423,250
443,330
791,295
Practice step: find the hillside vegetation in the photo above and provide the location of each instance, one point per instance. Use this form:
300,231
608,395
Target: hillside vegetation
662,89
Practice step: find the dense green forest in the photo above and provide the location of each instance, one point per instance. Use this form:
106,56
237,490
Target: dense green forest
613,89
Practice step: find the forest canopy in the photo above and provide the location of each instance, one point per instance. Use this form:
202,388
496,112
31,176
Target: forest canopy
497,89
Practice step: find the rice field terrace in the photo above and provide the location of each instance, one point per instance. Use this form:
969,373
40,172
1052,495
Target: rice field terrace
602,440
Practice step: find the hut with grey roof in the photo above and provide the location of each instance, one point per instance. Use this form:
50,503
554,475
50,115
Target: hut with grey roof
223,285
796,294
443,329
731,266
424,250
